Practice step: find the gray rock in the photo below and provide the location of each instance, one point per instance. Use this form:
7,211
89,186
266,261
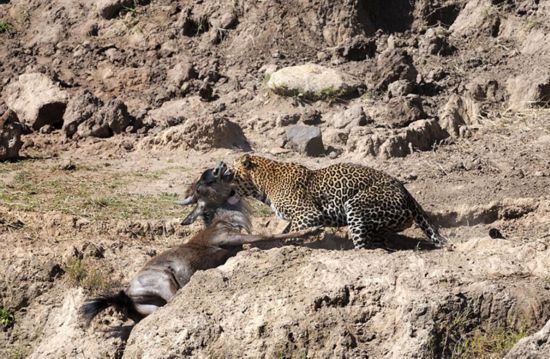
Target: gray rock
345,303
435,42
305,139
287,119
200,133
532,347
109,9
112,118
10,135
353,116
181,72
312,82
87,116
336,137
82,106
419,135
400,112
531,89
36,100
458,113
400,88
392,65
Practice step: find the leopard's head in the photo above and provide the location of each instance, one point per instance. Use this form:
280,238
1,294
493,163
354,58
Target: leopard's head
249,175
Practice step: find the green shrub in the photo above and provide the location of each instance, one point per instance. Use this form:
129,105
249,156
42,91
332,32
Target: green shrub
6,318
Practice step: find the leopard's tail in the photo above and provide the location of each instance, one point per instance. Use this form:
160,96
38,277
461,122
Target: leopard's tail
427,227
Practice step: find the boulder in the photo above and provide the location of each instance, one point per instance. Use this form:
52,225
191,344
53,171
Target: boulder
305,139
336,137
399,112
357,49
170,113
81,107
88,116
311,81
528,90
435,42
201,133
109,9
319,303
36,100
477,17
400,88
353,116
10,135
532,347
419,135
458,113
392,65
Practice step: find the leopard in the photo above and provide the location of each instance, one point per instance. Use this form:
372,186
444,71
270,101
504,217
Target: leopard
366,200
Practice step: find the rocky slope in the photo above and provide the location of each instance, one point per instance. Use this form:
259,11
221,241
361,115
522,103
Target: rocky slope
108,108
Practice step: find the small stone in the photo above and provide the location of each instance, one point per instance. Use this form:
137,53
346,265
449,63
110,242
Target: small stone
68,166
181,72
495,234
311,117
46,129
287,119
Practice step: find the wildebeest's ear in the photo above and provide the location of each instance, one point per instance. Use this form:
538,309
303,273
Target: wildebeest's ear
247,163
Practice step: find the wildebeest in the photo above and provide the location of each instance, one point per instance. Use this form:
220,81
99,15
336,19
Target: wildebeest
158,281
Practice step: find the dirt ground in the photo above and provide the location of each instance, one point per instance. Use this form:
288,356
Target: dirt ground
80,216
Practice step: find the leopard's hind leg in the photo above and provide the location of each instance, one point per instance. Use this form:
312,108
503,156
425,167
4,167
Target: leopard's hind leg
372,211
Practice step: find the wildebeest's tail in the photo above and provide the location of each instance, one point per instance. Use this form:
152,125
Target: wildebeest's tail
121,301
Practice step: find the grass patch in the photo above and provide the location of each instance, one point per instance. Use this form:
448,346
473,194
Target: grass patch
4,27
260,210
488,344
18,353
6,318
462,337
87,192
85,275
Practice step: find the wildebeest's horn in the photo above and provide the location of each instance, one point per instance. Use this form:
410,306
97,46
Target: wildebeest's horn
220,169
186,201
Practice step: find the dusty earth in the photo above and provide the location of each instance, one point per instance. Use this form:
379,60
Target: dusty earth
138,97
